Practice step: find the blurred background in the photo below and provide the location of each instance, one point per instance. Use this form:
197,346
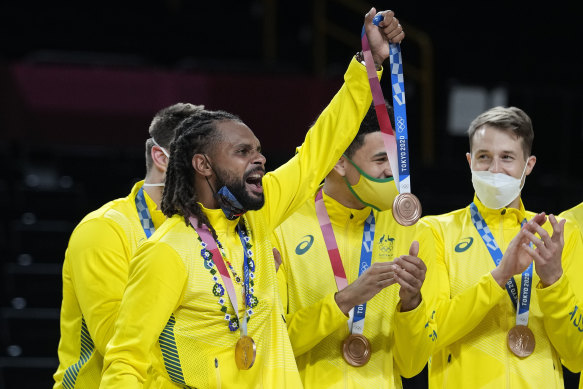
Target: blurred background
80,83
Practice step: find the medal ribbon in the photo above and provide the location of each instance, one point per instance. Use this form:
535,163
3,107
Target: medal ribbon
522,305
330,240
144,213
356,314
525,288
399,163
207,237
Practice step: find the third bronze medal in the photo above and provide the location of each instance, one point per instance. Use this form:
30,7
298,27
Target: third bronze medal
521,341
520,338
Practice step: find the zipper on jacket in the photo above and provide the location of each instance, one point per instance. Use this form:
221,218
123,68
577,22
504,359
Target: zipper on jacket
217,373
446,373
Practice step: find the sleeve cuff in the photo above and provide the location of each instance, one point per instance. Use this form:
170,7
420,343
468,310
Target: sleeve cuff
494,287
410,315
560,283
337,316
355,64
554,294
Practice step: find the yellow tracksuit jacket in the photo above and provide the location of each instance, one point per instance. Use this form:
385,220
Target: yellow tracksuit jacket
575,214
170,289
474,313
401,342
95,273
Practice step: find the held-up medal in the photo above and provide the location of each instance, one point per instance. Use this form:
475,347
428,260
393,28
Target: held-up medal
245,352
356,350
521,341
406,206
406,209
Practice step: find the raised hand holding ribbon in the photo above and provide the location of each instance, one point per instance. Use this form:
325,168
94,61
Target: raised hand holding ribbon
406,206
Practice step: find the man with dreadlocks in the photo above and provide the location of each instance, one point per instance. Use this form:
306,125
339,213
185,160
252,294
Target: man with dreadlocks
201,308
96,264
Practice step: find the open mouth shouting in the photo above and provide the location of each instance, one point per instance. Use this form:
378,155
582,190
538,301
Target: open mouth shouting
253,181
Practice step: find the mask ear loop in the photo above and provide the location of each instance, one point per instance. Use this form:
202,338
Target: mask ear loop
522,176
211,186
162,148
207,179
219,196
227,201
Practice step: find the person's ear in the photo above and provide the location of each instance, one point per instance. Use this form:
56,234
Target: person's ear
530,162
159,159
201,165
340,166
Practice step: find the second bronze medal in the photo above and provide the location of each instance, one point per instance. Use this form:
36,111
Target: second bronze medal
356,350
406,209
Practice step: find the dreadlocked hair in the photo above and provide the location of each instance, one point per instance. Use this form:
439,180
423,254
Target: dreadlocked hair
195,135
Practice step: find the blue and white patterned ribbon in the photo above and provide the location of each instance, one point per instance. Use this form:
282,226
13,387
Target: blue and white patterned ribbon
356,315
144,214
522,305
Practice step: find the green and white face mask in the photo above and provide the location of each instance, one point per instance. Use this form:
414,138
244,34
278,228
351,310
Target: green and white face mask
377,193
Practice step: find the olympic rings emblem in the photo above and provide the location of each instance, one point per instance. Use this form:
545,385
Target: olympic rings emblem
400,123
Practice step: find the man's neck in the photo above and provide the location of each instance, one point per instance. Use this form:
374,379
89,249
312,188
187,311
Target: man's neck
205,193
208,201
515,203
155,193
337,189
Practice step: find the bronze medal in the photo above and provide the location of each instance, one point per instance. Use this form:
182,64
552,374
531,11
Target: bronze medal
406,209
245,352
356,350
521,341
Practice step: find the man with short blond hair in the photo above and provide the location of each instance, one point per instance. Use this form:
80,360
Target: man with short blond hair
506,277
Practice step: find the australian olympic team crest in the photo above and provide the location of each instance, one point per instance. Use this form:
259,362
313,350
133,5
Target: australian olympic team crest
385,247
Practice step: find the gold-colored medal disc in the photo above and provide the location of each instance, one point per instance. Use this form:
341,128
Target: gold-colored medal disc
521,341
245,352
356,350
406,209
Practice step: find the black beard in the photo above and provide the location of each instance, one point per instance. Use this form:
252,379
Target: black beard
237,188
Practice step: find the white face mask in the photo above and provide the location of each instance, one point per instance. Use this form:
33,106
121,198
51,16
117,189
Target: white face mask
496,190
167,156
